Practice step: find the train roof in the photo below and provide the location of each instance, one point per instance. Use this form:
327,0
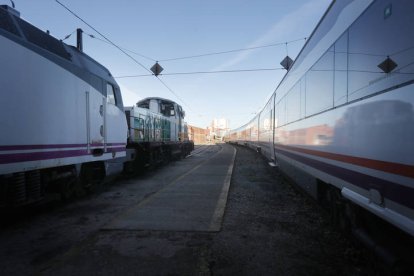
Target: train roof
157,98
22,32
145,103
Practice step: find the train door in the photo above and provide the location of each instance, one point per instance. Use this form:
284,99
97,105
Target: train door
271,134
174,124
95,123
115,126
180,124
273,128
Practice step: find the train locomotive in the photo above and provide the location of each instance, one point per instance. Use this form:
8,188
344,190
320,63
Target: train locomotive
63,124
341,122
157,133
61,117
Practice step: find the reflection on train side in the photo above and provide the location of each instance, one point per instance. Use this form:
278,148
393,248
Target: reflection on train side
377,123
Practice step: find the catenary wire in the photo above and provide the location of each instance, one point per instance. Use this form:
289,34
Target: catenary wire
69,35
175,94
204,72
133,52
232,51
107,39
207,54
162,82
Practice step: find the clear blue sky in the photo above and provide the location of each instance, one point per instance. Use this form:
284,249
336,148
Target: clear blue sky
166,29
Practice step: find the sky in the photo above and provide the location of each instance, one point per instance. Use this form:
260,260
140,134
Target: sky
161,30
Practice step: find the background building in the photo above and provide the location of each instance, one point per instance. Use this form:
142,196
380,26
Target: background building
219,128
198,135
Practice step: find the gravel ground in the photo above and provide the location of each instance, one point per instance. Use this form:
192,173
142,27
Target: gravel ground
269,228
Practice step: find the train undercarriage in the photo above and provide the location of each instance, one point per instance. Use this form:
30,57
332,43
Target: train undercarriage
32,187
152,154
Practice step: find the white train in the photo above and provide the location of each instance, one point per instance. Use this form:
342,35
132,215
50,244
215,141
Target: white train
62,116
341,122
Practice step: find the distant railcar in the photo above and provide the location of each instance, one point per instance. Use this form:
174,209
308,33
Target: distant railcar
341,122
62,116
157,132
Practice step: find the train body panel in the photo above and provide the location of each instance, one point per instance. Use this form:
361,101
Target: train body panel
156,120
61,112
147,126
363,147
48,123
344,112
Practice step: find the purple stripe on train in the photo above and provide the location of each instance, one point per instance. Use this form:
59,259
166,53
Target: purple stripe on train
394,191
33,147
56,146
44,155
35,156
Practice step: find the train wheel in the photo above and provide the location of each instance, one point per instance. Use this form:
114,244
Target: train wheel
92,175
167,155
338,210
67,188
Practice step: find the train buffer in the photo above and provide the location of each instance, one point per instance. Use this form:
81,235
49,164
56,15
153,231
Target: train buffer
193,201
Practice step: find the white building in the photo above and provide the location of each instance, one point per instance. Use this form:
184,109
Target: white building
219,127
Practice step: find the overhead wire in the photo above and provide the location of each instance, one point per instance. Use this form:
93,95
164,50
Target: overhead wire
107,39
133,52
119,48
287,52
124,51
233,51
69,35
204,72
207,54
175,94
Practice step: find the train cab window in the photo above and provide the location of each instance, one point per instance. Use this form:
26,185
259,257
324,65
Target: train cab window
167,109
118,99
144,104
110,94
180,112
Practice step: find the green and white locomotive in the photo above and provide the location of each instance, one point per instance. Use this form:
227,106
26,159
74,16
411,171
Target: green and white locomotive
156,133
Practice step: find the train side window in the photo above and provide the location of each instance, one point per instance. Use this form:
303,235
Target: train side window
319,84
282,112
110,94
341,70
302,97
374,37
293,104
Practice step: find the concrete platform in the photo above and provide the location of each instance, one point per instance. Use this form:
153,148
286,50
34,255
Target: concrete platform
194,201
